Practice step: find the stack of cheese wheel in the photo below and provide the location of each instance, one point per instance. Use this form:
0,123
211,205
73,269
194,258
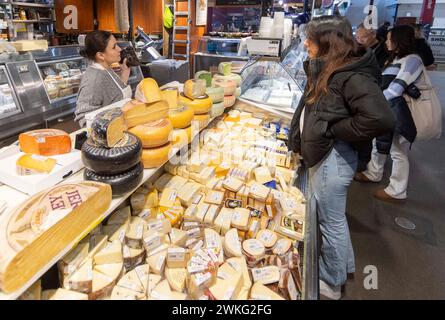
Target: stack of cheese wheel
150,122
112,155
215,93
181,117
228,80
195,98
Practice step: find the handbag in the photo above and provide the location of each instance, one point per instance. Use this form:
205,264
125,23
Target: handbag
426,110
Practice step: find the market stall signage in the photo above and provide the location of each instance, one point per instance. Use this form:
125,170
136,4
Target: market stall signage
438,46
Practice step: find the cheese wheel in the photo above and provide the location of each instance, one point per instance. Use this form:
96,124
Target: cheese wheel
229,101
194,88
181,137
120,183
217,109
139,113
45,142
181,117
216,94
229,86
170,95
125,155
108,128
153,134
156,157
204,75
238,92
148,91
199,105
233,77
202,119
225,68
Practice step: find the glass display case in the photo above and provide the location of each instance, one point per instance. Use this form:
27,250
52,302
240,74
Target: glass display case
219,46
8,101
267,81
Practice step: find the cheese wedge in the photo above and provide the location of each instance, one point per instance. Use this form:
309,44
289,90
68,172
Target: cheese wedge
227,289
162,226
120,217
30,164
149,90
178,237
223,221
137,201
102,285
282,247
268,238
132,257
176,278
211,215
82,279
112,253
232,245
134,235
261,292
240,265
71,262
116,232
152,240
212,239
63,294
157,262
177,257
168,198
240,219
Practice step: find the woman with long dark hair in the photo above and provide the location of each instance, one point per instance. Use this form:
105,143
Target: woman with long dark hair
100,85
341,111
402,70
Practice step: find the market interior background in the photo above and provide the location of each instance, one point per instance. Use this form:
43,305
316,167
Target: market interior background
409,262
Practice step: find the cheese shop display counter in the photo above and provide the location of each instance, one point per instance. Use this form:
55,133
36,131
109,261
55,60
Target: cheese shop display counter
158,212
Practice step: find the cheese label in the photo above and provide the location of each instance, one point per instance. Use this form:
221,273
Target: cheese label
152,241
145,213
198,245
198,260
176,254
194,233
235,265
212,240
201,278
222,275
172,196
197,199
141,274
266,237
203,255
196,268
254,226
212,255
190,225
39,158
155,225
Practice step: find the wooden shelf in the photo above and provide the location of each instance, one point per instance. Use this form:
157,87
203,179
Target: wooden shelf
35,5
33,21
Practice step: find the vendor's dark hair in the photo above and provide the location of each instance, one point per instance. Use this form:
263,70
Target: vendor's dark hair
336,46
404,41
96,41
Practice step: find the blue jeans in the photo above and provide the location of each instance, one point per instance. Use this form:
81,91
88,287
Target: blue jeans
330,180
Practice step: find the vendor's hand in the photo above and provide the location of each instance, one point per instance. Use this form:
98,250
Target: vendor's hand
124,65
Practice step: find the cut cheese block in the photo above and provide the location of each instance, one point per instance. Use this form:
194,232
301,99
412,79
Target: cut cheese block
162,226
217,109
153,134
44,225
163,292
240,219
45,142
188,193
229,86
262,175
194,88
152,240
216,94
232,184
254,250
202,120
266,275
267,237
181,117
176,278
287,285
211,215
121,158
232,246
254,227
133,285
137,202
236,78
139,113
112,253
82,279
163,181
132,257
226,289
223,221
240,265
181,137
63,294
282,246
96,243
199,105
157,262
215,197
72,261
120,217
168,198
156,157
229,101
30,164
171,96
108,127
102,284
212,239
33,293
178,237
177,257
225,68
148,91
133,237
116,232
204,75
259,192
261,292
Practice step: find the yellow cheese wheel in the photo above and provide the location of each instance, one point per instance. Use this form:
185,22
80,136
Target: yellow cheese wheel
156,157
150,90
202,119
181,117
181,137
199,105
153,134
137,113
229,101
228,85
195,88
171,96
233,77
216,94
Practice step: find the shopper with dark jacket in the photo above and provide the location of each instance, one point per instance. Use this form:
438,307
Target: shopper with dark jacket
368,39
342,109
402,70
423,49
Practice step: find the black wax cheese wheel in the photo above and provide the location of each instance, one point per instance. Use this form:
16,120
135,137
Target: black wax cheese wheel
120,183
125,155
107,128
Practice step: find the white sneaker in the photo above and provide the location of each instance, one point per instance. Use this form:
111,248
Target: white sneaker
333,293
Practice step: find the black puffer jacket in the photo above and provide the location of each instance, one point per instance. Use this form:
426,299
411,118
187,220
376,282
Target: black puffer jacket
354,110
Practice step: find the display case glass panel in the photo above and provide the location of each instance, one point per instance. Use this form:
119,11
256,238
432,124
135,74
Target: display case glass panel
8,102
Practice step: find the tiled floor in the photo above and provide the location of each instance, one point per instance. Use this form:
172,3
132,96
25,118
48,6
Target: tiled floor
409,264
